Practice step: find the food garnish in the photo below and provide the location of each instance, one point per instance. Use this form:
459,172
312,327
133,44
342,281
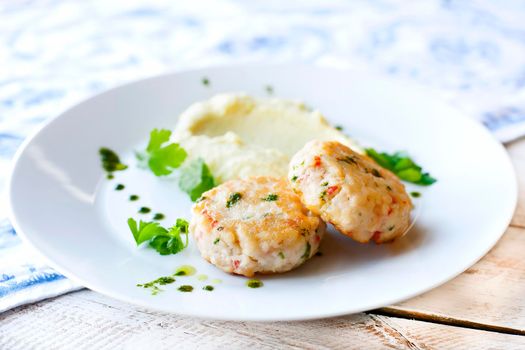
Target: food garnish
165,241
158,216
272,197
196,179
144,210
185,270
154,285
254,283
185,288
160,157
307,251
401,165
110,161
234,198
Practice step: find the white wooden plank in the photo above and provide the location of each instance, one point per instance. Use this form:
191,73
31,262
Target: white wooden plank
426,335
490,292
86,320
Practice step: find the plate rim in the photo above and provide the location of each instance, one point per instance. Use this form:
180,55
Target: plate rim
206,315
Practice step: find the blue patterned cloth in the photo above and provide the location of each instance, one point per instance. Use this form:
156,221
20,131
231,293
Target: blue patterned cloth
54,53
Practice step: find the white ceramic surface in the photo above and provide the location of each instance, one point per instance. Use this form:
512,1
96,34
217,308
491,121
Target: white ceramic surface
62,204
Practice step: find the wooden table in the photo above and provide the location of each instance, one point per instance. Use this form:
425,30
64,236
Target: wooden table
482,308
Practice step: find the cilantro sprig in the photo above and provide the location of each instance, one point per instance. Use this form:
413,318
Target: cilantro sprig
161,157
165,241
401,165
196,178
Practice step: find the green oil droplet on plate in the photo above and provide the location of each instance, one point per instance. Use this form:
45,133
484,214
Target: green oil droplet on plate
185,270
254,283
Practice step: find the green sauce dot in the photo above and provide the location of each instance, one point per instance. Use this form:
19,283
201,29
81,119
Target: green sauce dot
119,187
153,285
185,288
110,176
133,197
158,216
110,160
202,277
208,288
415,194
254,283
165,280
144,210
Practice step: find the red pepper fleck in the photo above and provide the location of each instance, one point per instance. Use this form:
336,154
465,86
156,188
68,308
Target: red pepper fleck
317,239
331,190
214,222
394,200
317,161
236,264
390,210
376,236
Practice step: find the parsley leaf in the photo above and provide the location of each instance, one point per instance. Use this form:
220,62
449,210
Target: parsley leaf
167,245
145,230
196,179
271,197
164,241
401,165
162,158
234,198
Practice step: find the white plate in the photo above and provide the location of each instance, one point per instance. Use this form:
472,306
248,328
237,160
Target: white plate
62,204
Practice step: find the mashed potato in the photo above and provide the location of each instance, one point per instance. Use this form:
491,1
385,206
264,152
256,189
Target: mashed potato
240,136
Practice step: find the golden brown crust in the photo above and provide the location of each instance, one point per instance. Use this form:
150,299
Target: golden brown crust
361,199
264,230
